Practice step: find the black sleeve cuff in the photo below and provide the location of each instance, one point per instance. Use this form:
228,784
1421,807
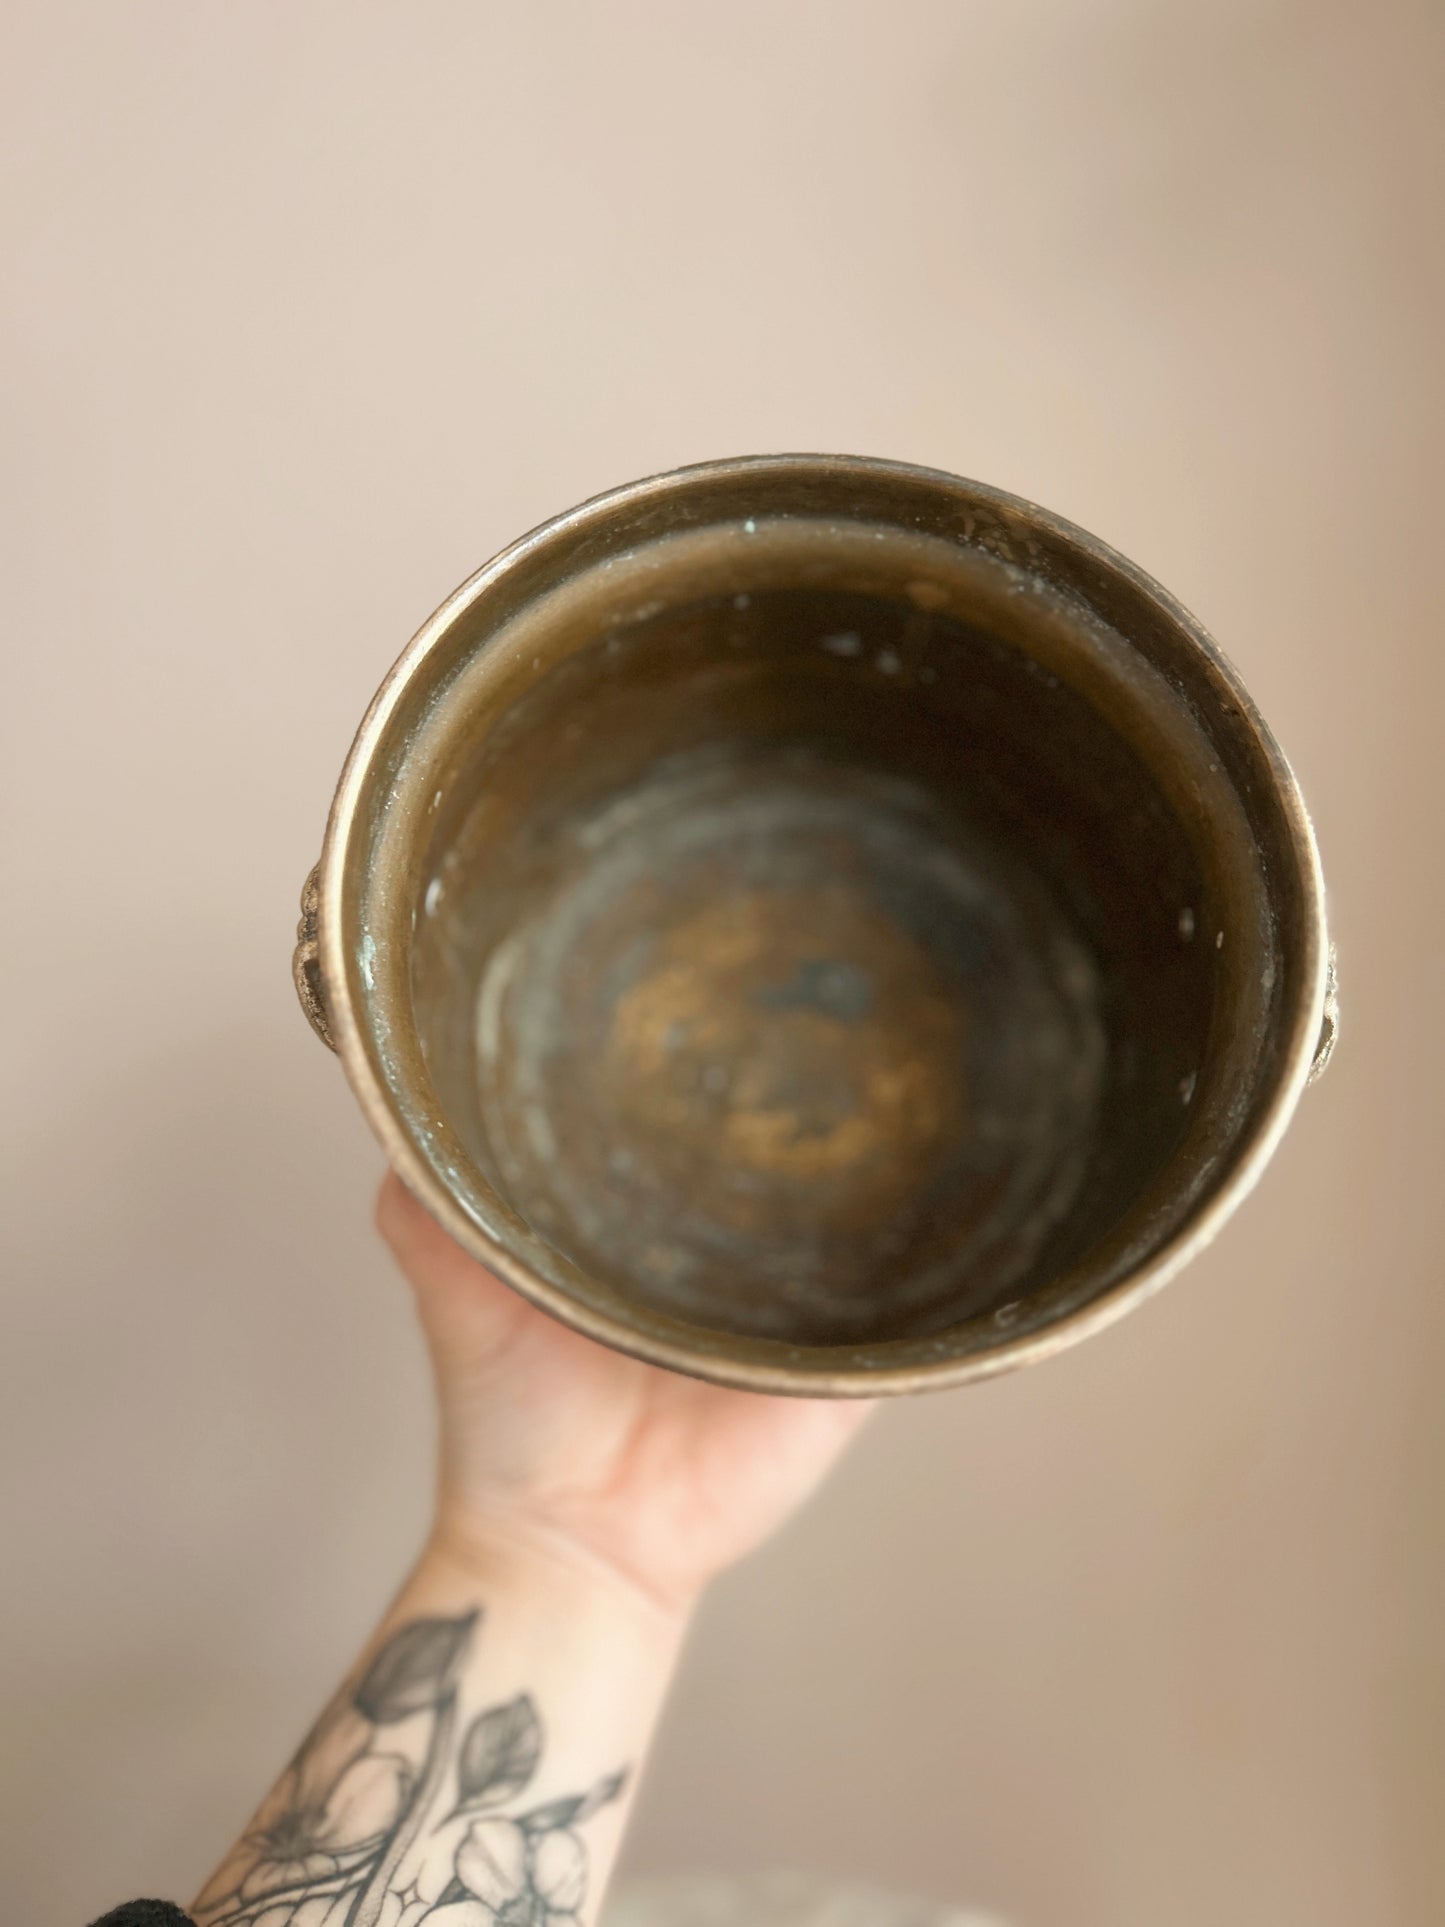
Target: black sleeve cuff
145,1913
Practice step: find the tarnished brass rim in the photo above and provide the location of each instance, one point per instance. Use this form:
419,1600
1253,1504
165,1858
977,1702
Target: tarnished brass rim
1306,1022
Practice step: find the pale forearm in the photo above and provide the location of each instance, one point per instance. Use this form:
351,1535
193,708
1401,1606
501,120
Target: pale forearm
476,1768
478,1763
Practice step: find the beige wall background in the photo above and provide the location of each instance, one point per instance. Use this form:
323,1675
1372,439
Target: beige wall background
310,307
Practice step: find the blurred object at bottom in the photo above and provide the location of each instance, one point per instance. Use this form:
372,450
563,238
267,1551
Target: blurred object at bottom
777,1900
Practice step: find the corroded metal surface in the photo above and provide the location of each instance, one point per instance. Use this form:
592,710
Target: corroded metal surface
822,925
774,1033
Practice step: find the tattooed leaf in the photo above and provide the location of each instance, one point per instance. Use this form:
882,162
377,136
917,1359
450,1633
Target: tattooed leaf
499,1755
576,1808
603,1793
414,1669
556,1813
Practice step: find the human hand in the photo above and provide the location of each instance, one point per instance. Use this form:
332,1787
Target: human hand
552,1439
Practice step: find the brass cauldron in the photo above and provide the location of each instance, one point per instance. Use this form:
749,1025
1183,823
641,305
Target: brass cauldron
821,925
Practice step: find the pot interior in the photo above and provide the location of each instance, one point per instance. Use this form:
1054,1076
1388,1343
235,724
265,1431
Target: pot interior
813,935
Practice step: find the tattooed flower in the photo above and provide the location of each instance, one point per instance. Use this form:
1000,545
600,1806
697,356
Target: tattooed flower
325,1848
318,1832
461,1913
326,1816
559,1871
510,1875
397,1911
491,1862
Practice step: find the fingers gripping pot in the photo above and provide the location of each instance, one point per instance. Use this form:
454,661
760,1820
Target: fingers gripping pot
821,925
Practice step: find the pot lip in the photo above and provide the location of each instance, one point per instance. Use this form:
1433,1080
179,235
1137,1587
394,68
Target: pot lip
708,1358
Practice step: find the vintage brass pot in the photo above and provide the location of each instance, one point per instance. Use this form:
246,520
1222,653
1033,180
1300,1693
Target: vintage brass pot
821,925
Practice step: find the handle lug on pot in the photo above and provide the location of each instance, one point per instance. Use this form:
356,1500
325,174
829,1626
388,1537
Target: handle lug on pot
306,963
1329,1023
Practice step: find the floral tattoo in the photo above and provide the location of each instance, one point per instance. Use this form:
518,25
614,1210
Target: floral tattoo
382,1821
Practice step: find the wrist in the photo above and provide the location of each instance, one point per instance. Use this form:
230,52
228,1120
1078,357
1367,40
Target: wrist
502,1551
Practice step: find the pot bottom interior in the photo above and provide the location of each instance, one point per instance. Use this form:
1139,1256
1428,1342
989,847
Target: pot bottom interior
790,1051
